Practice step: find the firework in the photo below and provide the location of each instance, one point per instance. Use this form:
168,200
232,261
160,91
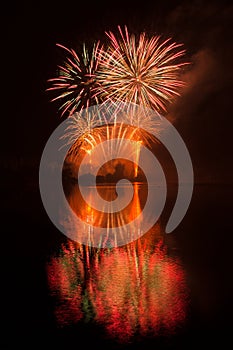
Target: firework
129,71
89,140
144,71
88,128
76,80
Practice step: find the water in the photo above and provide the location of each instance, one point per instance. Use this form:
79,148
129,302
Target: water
158,292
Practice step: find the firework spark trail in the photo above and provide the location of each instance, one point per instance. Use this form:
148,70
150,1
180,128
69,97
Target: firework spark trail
85,121
76,81
144,71
84,135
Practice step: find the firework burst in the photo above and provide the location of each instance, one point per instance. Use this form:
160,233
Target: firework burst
89,127
76,80
144,71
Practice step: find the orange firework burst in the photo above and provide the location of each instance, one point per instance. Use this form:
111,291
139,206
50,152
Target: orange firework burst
144,71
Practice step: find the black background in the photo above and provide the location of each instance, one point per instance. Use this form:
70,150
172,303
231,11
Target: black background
202,115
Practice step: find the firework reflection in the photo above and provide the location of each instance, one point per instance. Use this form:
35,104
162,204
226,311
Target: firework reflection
135,290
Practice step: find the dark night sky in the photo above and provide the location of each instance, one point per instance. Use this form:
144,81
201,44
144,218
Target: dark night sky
202,114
